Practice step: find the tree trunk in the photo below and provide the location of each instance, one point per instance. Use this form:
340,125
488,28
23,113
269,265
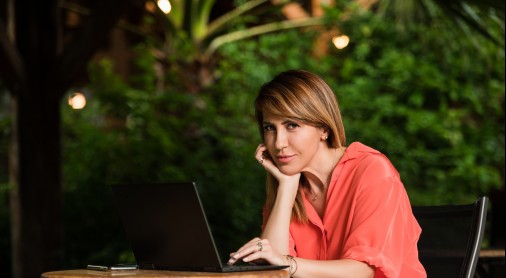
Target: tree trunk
36,218
38,70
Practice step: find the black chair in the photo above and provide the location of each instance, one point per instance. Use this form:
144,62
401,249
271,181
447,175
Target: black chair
450,243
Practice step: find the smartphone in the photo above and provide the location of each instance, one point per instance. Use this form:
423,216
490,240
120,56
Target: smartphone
97,267
123,267
112,267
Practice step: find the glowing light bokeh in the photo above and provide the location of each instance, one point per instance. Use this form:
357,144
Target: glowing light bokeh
164,5
341,42
77,101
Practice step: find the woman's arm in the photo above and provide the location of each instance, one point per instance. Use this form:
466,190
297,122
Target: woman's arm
336,268
274,244
276,229
299,267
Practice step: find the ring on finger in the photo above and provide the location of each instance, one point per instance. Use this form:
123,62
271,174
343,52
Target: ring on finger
260,246
261,160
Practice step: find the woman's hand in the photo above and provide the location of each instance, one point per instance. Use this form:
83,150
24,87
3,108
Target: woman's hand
263,157
257,251
276,229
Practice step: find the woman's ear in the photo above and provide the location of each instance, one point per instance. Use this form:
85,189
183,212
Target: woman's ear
325,134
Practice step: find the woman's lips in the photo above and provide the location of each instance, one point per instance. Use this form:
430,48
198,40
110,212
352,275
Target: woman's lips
285,158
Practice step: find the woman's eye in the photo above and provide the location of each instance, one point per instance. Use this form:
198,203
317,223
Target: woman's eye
268,128
292,125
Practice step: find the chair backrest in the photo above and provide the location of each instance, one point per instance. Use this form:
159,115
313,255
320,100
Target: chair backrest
450,243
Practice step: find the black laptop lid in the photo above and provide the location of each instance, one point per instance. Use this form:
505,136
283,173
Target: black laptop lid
166,226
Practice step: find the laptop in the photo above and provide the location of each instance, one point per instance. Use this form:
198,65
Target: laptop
167,228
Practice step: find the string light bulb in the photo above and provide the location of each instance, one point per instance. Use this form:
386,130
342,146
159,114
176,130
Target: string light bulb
341,42
164,5
77,101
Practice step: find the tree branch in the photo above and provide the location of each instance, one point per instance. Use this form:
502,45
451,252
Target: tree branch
92,34
258,30
12,68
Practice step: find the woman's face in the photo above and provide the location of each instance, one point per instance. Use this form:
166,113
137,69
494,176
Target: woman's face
291,144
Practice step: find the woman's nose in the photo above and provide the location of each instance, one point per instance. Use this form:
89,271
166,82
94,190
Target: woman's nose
281,140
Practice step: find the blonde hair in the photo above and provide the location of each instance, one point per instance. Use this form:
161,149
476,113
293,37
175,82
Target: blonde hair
305,97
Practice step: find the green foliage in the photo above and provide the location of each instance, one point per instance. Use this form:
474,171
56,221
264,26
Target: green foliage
435,108
131,132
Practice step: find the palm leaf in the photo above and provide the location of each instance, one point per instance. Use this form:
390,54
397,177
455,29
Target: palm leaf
259,30
462,16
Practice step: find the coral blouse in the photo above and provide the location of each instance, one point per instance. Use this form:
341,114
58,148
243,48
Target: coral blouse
368,218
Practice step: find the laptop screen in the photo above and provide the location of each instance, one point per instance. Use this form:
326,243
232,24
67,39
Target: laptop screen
166,226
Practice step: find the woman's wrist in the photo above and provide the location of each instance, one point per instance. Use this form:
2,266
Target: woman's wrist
288,189
292,265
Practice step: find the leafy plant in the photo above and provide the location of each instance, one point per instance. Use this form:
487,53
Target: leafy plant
435,110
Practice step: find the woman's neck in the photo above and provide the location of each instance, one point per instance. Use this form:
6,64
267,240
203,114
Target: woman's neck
318,176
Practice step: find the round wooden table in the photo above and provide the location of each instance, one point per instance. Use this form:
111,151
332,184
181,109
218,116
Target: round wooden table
82,273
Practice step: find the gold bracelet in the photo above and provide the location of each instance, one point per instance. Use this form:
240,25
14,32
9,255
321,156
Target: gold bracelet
295,262
291,269
288,259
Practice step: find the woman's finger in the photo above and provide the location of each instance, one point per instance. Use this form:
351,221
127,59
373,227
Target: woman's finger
261,250
265,160
237,254
254,245
259,153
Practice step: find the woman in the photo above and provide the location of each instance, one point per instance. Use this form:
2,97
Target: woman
331,210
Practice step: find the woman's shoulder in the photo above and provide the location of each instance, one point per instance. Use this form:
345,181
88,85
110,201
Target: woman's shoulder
360,147
357,150
369,160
